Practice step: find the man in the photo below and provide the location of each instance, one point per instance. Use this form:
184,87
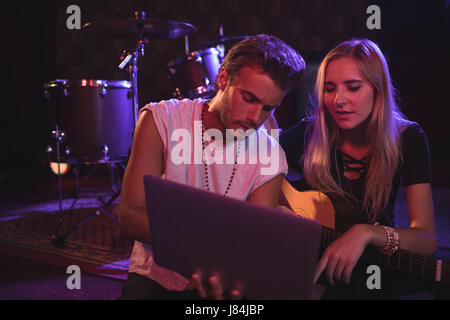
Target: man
184,141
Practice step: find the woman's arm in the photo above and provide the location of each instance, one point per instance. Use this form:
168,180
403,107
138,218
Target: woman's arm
420,238
341,256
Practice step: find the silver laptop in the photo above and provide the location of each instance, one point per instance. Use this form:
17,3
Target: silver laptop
268,253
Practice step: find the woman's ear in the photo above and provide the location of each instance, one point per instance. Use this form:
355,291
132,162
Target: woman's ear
222,79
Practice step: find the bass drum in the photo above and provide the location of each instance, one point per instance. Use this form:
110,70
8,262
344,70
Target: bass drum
96,117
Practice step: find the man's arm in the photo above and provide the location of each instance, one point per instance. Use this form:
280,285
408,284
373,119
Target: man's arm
269,193
146,159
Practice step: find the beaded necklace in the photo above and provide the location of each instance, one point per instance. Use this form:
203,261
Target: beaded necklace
205,166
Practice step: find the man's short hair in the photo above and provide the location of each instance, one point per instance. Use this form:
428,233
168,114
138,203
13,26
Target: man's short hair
280,61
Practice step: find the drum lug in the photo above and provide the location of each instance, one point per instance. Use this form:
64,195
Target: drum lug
95,103
103,91
59,135
105,150
177,94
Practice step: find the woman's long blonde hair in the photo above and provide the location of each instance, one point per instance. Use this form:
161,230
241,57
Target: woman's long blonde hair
383,129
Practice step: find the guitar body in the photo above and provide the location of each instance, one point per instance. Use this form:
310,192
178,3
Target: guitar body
309,204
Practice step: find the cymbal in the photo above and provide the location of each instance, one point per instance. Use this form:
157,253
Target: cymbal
222,40
134,28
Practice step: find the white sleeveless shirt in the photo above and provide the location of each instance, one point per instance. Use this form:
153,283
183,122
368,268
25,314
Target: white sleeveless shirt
179,125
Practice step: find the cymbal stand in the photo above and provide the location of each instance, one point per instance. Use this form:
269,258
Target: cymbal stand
221,47
131,58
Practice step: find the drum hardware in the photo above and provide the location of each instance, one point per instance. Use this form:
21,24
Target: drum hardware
221,46
131,58
96,116
102,92
221,41
105,152
100,104
141,29
138,26
58,239
186,45
59,137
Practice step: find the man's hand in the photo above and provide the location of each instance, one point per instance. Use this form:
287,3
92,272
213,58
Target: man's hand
215,290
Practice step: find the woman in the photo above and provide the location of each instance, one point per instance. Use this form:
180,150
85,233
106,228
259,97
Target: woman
358,145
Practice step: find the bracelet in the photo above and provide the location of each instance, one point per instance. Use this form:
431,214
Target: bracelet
392,242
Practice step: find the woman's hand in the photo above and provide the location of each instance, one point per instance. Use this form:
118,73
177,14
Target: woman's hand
215,290
341,256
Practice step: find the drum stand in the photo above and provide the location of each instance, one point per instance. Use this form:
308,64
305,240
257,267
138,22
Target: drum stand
59,136
59,240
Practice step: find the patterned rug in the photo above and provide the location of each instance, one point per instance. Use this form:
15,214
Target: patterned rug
97,246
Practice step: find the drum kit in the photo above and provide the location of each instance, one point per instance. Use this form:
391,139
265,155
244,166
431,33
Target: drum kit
96,119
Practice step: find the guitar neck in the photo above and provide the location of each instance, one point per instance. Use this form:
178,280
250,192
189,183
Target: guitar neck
402,260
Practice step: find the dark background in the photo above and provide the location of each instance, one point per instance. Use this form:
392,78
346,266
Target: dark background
37,47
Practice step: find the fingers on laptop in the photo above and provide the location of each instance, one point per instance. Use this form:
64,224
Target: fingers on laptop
213,289
216,287
198,284
236,295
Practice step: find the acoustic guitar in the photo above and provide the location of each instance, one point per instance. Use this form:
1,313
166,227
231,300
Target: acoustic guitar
318,206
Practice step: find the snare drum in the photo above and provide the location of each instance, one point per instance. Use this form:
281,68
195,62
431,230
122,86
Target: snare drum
96,117
194,75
